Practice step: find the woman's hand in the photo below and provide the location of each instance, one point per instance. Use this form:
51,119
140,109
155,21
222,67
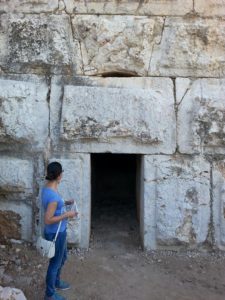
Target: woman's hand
71,214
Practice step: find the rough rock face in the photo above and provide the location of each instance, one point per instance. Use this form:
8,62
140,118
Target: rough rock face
155,7
100,116
20,117
176,201
219,203
209,8
115,43
16,186
201,115
190,47
143,77
12,179
34,6
36,43
76,185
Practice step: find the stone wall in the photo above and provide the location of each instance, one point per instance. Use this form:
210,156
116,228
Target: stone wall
145,77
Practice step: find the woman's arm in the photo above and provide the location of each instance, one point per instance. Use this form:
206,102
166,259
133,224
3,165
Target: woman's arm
49,214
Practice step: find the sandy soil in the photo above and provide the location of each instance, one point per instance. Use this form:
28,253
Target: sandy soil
116,268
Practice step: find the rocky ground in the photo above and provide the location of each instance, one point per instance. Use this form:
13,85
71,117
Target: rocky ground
115,268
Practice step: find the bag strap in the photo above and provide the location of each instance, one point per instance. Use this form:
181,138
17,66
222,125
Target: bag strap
57,231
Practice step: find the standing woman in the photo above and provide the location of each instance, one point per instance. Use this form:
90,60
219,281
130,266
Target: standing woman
55,212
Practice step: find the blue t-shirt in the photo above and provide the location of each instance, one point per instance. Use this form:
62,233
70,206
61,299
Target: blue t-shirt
48,195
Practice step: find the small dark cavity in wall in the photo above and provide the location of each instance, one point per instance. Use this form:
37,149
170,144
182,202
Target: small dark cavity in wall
119,74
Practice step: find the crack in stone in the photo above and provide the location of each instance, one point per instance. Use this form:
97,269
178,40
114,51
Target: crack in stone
176,112
163,27
139,6
61,103
49,82
150,60
185,93
211,230
157,43
82,59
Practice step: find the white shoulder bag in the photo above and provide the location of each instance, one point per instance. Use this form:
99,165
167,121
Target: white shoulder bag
47,248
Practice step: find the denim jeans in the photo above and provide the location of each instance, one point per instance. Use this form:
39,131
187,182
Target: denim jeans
56,262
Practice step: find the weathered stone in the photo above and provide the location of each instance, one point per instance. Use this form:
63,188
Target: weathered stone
219,203
201,115
76,185
190,47
16,176
26,6
3,38
176,204
56,99
10,227
119,44
23,111
24,210
210,7
134,115
9,293
39,43
153,7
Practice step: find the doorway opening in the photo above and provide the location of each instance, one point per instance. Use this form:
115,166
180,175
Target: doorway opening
115,200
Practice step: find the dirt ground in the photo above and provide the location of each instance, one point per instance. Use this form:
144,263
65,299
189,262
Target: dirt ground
115,268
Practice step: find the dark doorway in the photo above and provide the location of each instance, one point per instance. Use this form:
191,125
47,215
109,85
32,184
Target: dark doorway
114,200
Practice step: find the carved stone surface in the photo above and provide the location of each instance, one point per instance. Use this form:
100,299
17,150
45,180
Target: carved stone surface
121,115
115,43
176,201
24,211
3,38
37,43
149,7
190,47
28,6
201,115
210,7
76,185
16,176
219,203
23,111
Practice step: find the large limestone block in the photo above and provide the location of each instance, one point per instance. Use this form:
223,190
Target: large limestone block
16,176
3,38
176,201
210,7
39,43
115,43
219,203
23,111
201,115
76,185
28,6
149,7
24,212
190,47
122,115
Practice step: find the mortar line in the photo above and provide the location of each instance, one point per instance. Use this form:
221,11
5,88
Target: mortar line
184,17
